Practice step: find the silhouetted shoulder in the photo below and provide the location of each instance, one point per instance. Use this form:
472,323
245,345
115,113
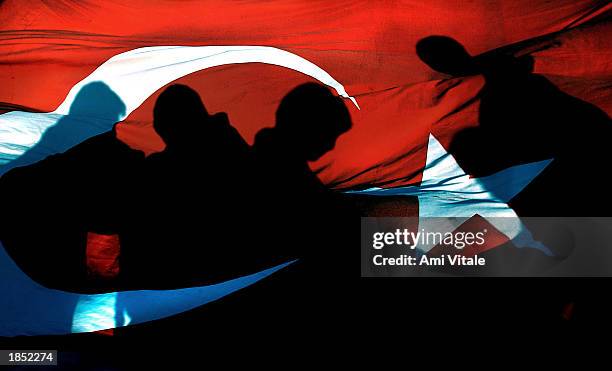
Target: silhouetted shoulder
222,131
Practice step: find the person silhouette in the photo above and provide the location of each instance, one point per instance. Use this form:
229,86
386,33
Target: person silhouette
58,200
298,217
191,199
523,117
309,120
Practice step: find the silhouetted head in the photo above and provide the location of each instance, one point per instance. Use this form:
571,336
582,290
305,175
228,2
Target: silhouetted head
311,119
177,115
96,99
446,55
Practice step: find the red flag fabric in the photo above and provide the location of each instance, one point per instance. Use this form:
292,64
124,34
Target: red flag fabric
368,47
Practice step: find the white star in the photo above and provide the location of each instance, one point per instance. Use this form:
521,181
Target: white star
451,196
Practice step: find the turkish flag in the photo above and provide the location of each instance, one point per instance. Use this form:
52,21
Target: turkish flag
406,105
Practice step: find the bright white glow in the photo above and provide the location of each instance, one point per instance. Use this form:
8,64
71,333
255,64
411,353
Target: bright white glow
93,312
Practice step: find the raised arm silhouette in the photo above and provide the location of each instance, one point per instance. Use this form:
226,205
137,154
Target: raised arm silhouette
523,118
